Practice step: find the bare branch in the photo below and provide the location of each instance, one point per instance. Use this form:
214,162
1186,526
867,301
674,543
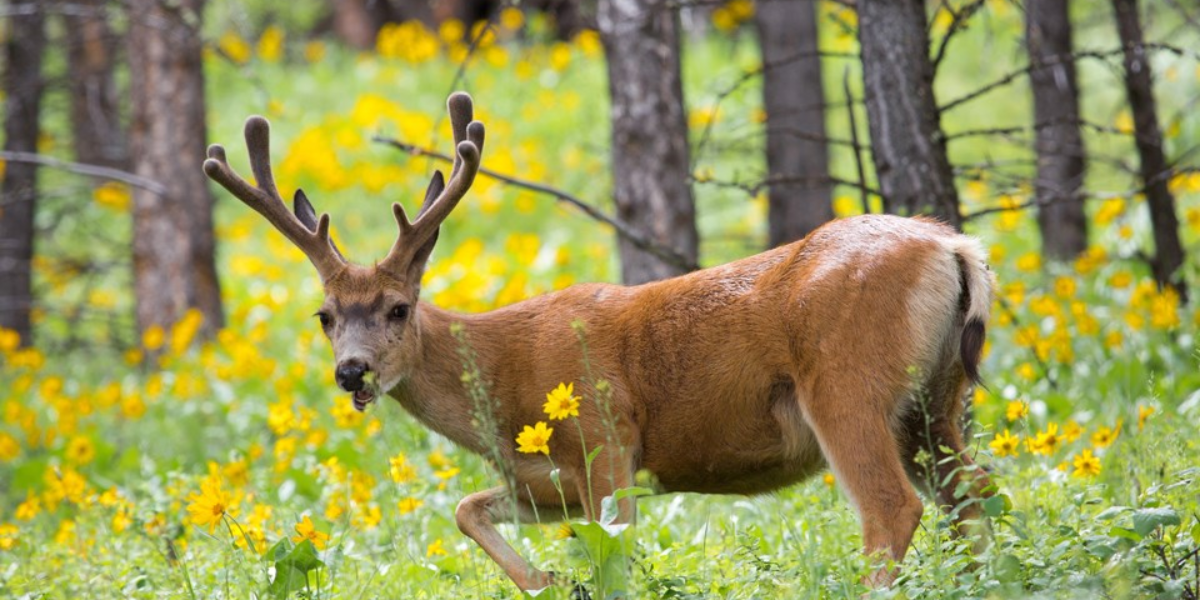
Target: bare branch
86,169
622,228
858,161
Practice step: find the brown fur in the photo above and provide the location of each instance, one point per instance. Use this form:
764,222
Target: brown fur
738,379
849,349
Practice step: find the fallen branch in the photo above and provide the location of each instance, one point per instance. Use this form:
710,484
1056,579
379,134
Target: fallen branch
623,229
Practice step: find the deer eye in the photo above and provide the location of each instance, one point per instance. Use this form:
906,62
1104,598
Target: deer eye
399,312
324,318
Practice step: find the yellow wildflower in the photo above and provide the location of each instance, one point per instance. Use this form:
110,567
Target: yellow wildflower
829,479
306,530
535,439
1016,409
80,450
1086,464
1046,442
9,447
8,536
1144,413
400,469
210,505
1071,431
436,548
409,504
561,402
1064,287
29,508
112,195
1006,444
1104,437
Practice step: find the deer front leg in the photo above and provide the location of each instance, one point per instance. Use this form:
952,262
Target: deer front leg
477,516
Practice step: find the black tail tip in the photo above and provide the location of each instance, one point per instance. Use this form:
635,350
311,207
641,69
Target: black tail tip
971,348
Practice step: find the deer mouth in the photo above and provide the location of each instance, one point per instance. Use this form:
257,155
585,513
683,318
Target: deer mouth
362,398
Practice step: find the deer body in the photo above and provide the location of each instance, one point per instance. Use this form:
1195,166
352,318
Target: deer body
850,349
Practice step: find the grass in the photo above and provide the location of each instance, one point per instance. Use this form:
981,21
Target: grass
101,453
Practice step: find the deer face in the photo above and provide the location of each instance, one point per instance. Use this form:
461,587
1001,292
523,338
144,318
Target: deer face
369,317
369,312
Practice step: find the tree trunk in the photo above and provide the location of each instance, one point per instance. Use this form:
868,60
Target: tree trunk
650,161
907,143
1061,218
1155,172
794,98
173,243
95,117
23,83
357,22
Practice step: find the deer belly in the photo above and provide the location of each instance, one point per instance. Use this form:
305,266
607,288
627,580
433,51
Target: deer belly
748,453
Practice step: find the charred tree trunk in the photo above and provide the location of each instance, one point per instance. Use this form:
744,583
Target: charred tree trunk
800,198
650,161
173,246
23,83
1060,163
95,117
1155,172
907,143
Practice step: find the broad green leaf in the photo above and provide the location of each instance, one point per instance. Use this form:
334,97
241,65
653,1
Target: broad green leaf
303,557
1146,520
996,505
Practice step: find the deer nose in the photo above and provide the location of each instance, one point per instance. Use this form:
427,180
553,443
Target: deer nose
350,373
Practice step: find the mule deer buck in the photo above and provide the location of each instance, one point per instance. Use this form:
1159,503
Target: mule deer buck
851,349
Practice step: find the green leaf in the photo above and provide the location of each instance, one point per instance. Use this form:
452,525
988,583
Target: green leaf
1112,512
1146,520
287,580
609,505
303,557
1196,532
996,505
1008,568
593,454
279,550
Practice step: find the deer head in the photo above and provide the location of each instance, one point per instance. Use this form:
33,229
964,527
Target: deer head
369,313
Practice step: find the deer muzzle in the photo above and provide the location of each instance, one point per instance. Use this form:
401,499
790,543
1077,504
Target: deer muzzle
356,377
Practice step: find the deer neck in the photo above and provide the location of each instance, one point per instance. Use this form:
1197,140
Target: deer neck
434,393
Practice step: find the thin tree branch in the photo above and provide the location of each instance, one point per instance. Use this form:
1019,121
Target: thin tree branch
958,23
858,160
1054,60
86,169
622,228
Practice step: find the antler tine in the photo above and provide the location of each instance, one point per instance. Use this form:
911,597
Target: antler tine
469,136
265,199
462,113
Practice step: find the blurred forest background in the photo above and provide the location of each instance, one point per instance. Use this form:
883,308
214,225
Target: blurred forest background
155,334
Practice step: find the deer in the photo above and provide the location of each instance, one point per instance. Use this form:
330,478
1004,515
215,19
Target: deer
850,350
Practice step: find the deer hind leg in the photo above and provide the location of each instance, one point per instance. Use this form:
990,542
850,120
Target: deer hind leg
852,428
477,516
936,457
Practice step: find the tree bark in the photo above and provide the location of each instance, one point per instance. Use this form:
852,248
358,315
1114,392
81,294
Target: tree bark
794,99
1060,150
1155,172
357,22
173,246
650,160
23,83
907,143
99,138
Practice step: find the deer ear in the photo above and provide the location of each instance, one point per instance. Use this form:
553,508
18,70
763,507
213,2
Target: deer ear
308,216
436,185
